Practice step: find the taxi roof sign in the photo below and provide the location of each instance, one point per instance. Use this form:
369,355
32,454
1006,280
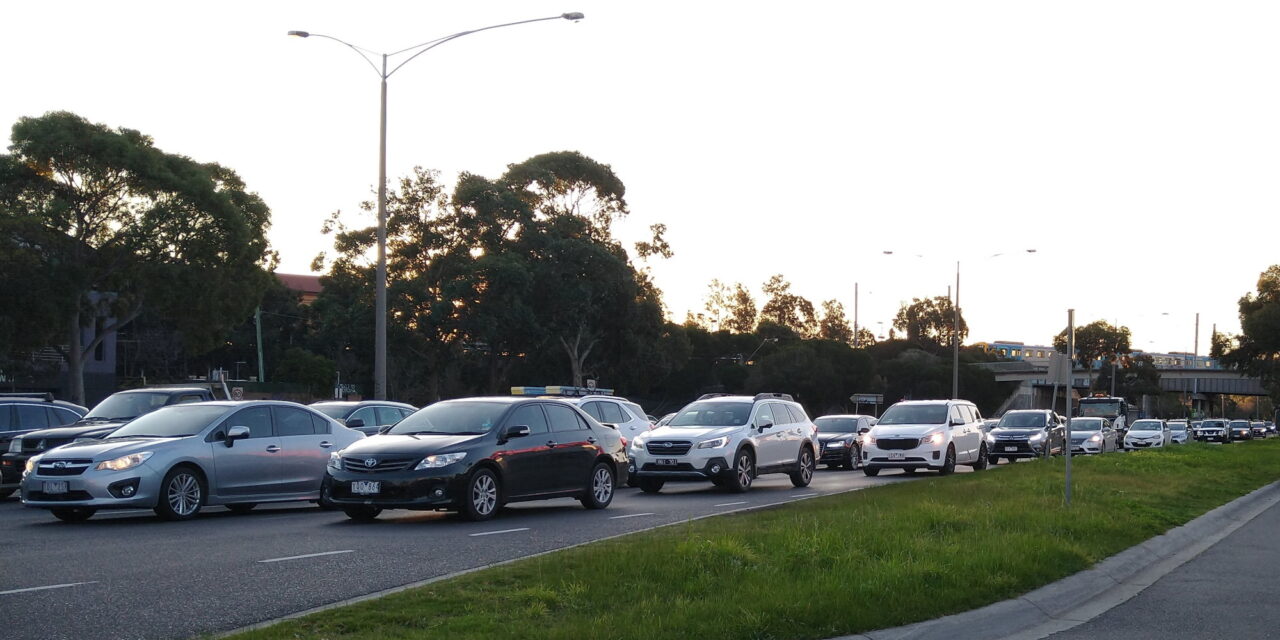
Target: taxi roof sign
560,390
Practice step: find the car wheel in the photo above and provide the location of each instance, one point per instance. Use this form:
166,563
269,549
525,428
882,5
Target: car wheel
599,491
242,507
651,485
744,471
362,513
73,514
949,465
803,474
481,500
993,460
982,458
181,494
871,471
324,502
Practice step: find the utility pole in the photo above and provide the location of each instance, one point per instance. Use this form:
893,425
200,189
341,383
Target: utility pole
1071,351
855,315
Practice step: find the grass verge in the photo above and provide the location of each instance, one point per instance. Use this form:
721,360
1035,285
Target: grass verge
828,566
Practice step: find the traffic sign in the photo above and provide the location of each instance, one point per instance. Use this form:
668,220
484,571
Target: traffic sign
867,398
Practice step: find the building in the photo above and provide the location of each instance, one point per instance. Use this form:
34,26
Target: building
308,286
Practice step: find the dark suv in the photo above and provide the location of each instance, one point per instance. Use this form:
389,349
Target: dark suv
1026,433
22,413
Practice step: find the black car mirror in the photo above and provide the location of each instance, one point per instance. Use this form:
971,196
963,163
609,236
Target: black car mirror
236,433
764,424
863,430
355,423
516,431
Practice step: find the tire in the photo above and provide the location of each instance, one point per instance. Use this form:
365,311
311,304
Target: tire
803,474
483,497
982,461
242,507
181,494
600,486
651,485
362,513
871,471
744,471
323,501
949,464
855,459
993,460
73,514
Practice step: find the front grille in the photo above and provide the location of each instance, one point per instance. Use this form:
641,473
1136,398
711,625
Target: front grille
897,443
360,464
73,467
36,445
668,447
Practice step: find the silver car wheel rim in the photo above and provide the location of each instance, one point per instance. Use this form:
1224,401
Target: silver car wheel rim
602,485
484,494
744,470
184,494
806,466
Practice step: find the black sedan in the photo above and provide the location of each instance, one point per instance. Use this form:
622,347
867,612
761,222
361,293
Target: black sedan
840,437
473,455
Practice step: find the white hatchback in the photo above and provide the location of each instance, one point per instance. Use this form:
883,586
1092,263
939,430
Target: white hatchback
1147,434
926,434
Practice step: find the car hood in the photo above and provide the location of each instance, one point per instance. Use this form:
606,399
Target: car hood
828,437
906,430
1144,434
85,430
416,445
689,433
106,449
1007,431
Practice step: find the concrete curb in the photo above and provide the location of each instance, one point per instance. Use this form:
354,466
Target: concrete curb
1079,598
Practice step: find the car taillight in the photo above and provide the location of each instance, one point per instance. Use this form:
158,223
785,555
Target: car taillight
624,442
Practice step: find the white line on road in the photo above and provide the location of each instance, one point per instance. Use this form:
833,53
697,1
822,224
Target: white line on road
630,515
491,533
309,555
730,504
806,495
52,586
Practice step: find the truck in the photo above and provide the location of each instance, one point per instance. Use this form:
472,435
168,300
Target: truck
1102,406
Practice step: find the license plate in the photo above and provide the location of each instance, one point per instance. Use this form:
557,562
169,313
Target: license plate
897,456
366,487
668,462
1010,448
55,486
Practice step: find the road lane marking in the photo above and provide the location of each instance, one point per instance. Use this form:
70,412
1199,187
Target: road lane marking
52,586
630,515
730,504
309,555
492,533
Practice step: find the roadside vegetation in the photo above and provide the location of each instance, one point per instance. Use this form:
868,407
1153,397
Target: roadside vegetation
823,567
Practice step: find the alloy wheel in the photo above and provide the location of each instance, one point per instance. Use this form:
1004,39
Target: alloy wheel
184,494
602,485
744,470
484,494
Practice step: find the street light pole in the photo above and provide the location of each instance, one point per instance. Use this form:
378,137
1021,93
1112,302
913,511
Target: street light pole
380,287
955,339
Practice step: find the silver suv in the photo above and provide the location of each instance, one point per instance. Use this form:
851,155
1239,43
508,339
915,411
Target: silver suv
728,440
629,417
926,434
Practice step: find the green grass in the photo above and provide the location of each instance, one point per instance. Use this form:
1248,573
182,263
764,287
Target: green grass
842,564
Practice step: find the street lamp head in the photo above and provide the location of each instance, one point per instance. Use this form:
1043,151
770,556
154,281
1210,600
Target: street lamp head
300,34
574,16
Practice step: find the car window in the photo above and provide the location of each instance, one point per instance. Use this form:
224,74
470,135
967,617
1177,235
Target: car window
405,413
593,410
5,420
612,413
765,414
60,417
955,414
367,415
32,417
636,411
291,421
797,414
562,418
530,415
582,422
319,424
258,419
388,415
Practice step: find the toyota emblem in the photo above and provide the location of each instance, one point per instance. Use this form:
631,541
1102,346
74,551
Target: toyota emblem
371,462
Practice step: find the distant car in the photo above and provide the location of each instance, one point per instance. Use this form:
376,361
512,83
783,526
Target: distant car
840,439
664,420
474,455
627,416
1178,431
1213,430
1240,430
926,434
1258,429
367,416
1147,434
178,459
1026,433
988,424
1271,427
114,411
23,413
1092,435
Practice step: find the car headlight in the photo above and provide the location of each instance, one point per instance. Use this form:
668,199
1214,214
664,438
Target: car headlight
1097,437
124,462
867,438
31,465
440,460
637,446
15,445
935,438
714,444
1036,437
835,444
335,461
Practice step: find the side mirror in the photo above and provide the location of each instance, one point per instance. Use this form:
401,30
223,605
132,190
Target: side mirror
355,423
956,422
863,430
516,431
236,433
764,424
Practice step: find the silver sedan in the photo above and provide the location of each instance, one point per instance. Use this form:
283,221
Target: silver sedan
179,458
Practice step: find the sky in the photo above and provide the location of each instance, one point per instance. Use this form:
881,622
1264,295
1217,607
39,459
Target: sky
1131,145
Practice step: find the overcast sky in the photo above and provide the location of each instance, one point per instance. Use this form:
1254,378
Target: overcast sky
1133,145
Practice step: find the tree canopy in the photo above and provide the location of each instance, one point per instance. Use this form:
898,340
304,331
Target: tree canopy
1257,349
930,321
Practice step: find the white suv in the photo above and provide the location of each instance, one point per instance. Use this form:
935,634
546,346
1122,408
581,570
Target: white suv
728,440
926,434
628,416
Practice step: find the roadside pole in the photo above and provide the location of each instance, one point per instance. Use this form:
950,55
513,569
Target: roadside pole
1071,354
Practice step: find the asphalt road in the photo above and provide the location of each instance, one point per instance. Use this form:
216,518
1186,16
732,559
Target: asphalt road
1225,592
127,575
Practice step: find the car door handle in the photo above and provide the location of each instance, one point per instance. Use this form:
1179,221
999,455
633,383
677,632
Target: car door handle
273,448
326,444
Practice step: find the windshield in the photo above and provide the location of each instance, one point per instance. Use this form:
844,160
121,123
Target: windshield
712,414
1178,425
126,406
453,418
836,425
1147,425
1215,424
1022,420
915,414
1086,424
172,422
1100,408
1239,424
334,410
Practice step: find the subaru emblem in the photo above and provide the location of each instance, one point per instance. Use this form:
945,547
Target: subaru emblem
371,462
668,444
61,464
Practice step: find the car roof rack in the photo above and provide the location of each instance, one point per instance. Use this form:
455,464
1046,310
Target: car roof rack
34,395
773,396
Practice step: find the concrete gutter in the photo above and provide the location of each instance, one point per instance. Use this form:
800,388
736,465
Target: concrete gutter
1086,595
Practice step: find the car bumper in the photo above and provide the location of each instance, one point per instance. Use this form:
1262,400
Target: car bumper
691,466
96,489
427,489
1139,444
836,455
1086,447
925,456
1015,448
